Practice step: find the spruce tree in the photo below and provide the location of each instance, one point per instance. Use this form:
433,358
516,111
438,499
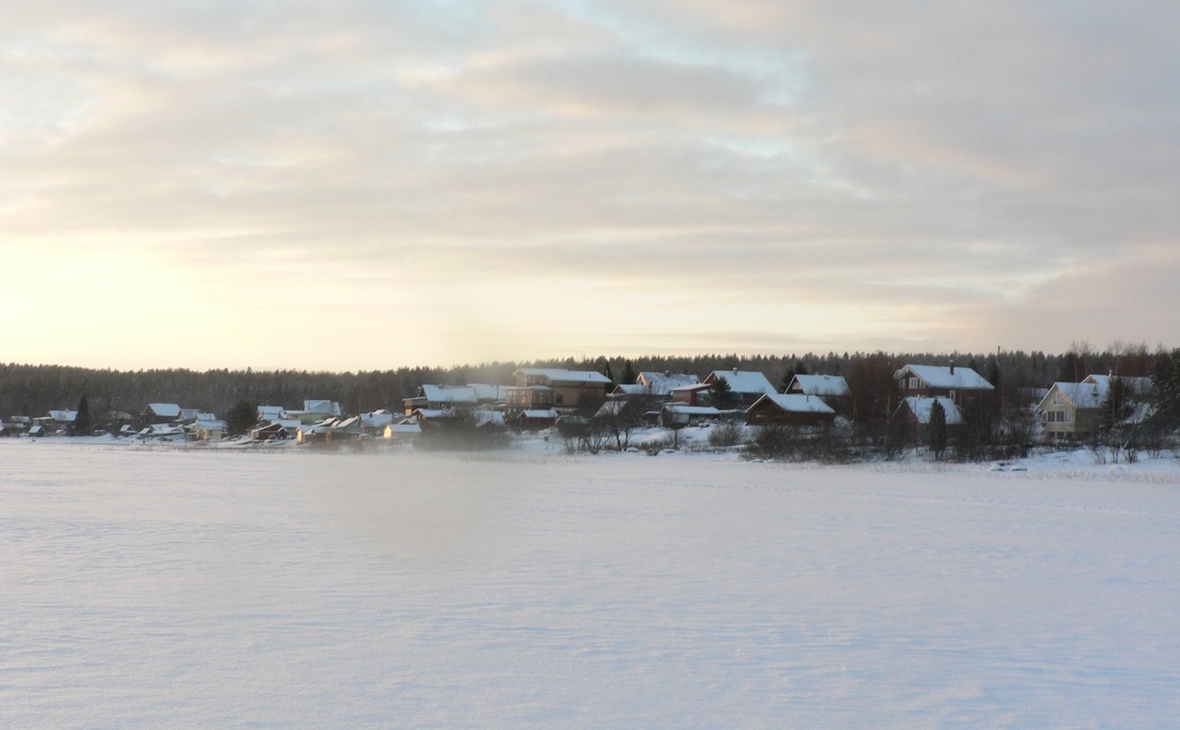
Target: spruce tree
723,395
82,420
629,375
241,418
937,429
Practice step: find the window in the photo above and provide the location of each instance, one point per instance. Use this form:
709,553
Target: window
913,383
560,398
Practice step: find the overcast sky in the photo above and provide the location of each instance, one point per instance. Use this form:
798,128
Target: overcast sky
365,184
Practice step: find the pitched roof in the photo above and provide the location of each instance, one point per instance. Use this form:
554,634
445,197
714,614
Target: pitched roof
743,381
1080,395
326,407
164,410
483,391
663,383
1137,386
559,375
921,407
951,378
829,385
448,393
794,403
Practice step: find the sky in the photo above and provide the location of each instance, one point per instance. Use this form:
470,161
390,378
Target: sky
368,184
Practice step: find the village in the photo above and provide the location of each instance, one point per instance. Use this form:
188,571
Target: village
935,410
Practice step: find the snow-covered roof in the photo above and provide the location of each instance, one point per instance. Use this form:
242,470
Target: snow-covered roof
539,413
663,383
610,408
164,410
630,389
162,429
833,386
406,428
210,424
1137,386
743,381
486,392
429,413
325,407
63,416
559,375
190,414
691,410
1080,395
921,407
270,413
448,393
691,388
489,418
377,419
794,403
951,378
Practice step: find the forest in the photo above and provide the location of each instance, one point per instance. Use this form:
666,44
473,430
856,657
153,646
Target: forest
33,390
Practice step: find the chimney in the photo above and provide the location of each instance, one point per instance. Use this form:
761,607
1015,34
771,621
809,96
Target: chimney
952,368
735,371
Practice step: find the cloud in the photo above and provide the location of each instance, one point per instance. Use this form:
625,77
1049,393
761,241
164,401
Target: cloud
941,174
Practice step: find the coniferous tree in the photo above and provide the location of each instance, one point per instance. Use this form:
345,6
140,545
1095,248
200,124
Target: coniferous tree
723,395
82,420
937,429
629,375
241,418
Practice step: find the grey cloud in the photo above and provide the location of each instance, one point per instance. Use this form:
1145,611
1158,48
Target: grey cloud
954,157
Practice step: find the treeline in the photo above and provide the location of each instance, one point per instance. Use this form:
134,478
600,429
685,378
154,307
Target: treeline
33,390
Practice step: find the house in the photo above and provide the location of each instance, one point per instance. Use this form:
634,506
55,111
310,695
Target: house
439,397
160,413
563,390
315,411
270,414
832,388
537,419
692,395
747,385
915,412
329,430
163,432
1073,410
488,395
792,409
402,432
56,421
18,424
208,427
656,385
376,421
278,430
823,386
679,415
954,382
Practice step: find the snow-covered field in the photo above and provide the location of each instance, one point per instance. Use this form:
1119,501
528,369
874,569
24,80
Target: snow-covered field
290,589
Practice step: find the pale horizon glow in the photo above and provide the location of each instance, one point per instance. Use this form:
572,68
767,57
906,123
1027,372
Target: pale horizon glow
381,184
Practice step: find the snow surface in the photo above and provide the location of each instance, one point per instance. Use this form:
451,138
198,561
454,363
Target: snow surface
285,588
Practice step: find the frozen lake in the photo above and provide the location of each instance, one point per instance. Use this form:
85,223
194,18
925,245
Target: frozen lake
225,589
